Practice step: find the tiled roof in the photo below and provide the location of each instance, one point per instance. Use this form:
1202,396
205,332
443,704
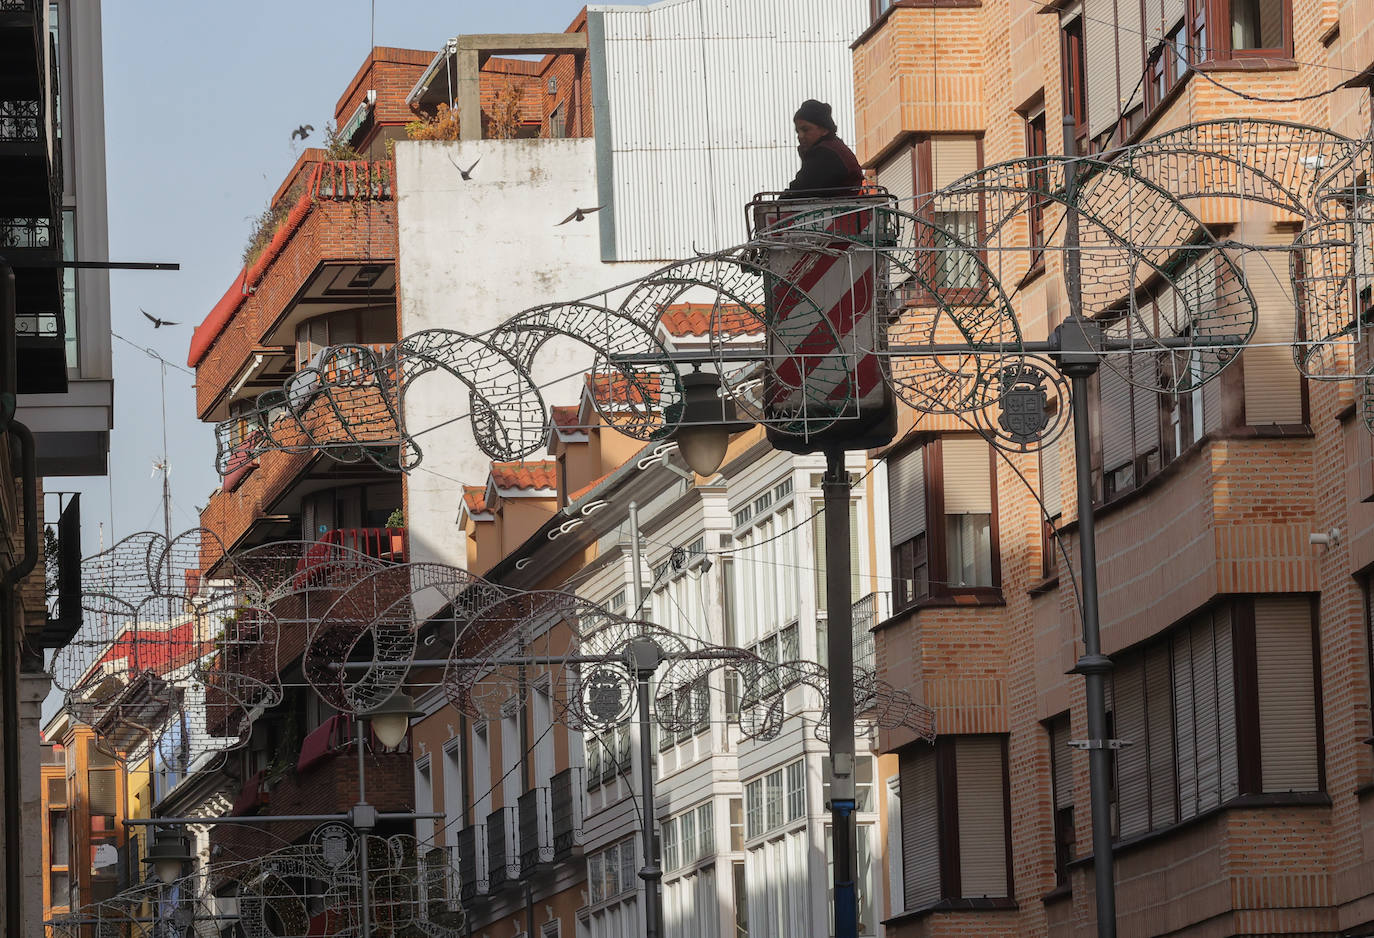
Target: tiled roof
526,474
475,498
683,320
616,389
587,488
565,416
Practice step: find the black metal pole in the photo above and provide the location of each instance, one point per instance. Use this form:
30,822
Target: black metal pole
645,657
1080,344
362,818
840,649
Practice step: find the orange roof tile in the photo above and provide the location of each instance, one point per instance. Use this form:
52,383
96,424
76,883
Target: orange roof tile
475,498
526,474
616,389
587,488
565,416
694,319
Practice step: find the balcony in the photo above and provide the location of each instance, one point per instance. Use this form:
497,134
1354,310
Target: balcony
332,250
864,616
503,848
389,545
536,834
472,862
566,813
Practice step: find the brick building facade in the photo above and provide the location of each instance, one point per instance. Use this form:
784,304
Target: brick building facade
1245,802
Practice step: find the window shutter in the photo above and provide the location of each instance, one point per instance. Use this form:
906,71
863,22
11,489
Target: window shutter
1174,11
1185,722
898,176
920,828
1063,765
982,817
1287,701
1207,722
104,791
1132,761
906,495
1160,728
1227,772
1130,57
1273,387
1099,63
1051,483
952,158
1114,395
1144,405
968,475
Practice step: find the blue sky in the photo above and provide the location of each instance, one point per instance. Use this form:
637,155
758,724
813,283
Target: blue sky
200,101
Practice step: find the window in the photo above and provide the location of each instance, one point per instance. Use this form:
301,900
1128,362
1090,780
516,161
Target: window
1052,501
766,807
1073,79
736,824
481,772
764,568
70,319
689,837
1258,25
1038,185
452,778
1061,774
1220,706
424,801
958,554
952,266
611,872
955,820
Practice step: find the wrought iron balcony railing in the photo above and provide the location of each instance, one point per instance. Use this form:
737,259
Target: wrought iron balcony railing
471,858
536,834
566,813
865,616
503,848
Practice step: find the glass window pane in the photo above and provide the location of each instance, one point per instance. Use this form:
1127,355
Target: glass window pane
753,794
736,824
773,800
706,829
796,790
688,824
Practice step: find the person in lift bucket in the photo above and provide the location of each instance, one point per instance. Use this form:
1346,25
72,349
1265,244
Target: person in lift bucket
829,168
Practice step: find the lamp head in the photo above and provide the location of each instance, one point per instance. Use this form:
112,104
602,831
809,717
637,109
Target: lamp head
707,422
168,855
391,719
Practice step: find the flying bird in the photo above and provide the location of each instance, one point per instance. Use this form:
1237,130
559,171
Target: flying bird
302,131
157,323
580,214
465,173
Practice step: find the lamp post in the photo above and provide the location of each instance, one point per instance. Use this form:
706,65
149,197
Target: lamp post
169,855
389,720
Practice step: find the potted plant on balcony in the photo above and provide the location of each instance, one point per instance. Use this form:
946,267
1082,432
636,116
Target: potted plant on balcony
396,524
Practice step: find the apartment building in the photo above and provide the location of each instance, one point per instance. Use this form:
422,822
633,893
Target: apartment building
1240,642
56,373
541,819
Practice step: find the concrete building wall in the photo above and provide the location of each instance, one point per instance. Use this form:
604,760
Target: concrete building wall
471,255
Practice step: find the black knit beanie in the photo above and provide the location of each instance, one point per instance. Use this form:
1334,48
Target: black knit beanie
815,112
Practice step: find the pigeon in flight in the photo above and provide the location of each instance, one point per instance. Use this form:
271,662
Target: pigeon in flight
302,131
465,173
157,323
580,214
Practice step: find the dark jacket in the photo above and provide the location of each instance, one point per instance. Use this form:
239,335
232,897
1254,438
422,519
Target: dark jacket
830,169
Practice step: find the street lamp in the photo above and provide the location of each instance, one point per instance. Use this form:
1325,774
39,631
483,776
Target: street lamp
168,856
707,422
391,719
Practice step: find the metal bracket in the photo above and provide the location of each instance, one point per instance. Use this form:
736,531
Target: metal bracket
1099,743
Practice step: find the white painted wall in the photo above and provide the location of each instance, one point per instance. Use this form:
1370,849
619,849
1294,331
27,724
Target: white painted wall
470,255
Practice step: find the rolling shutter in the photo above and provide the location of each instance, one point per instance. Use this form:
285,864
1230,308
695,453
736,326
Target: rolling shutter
1228,778
1114,396
1099,63
982,817
920,828
967,474
1051,483
1160,736
103,797
1130,55
1062,764
1132,761
952,158
898,176
1144,405
1273,386
1287,699
1206,721
906,495
1185,722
